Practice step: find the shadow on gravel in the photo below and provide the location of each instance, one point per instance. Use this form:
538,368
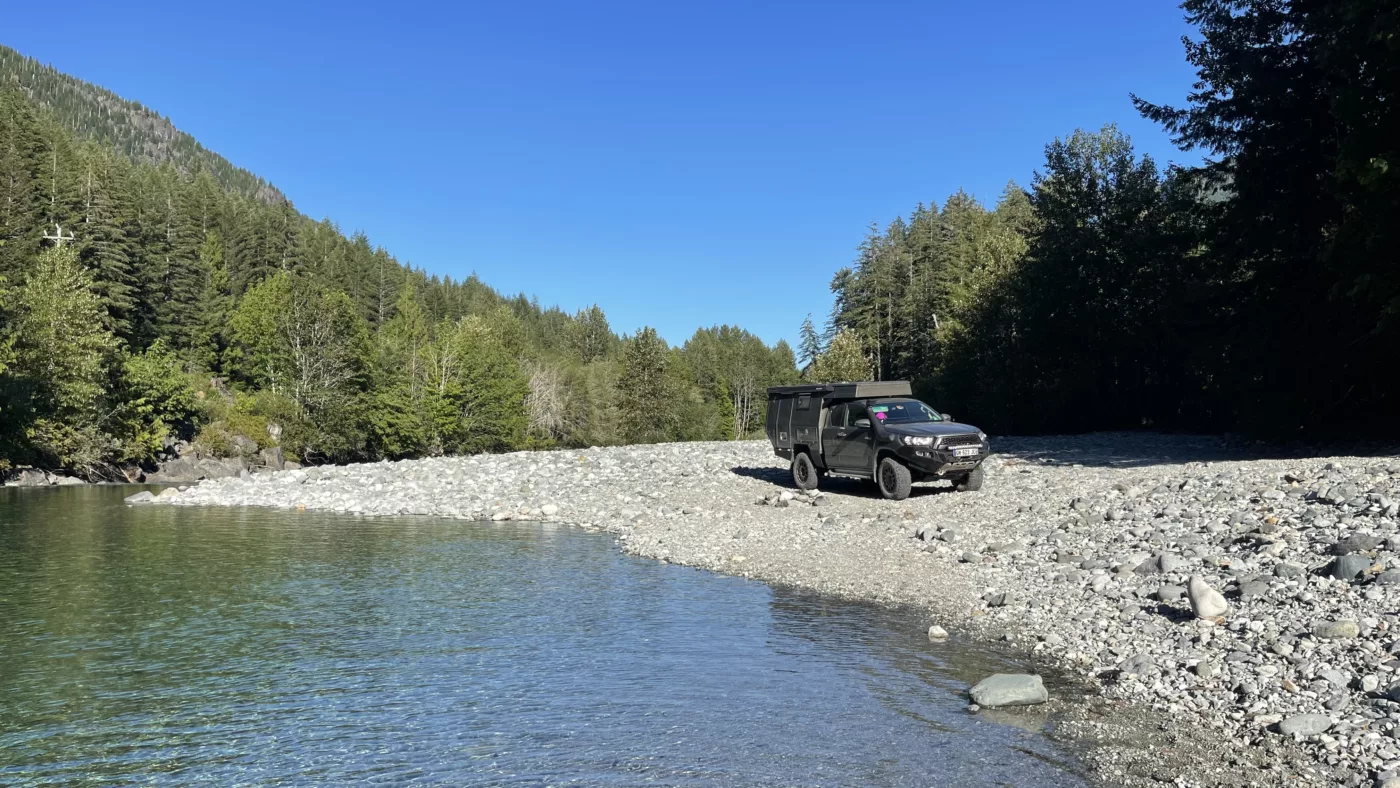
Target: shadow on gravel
835,485
1143,449
1176,615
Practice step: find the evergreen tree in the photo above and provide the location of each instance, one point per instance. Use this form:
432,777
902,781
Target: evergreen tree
843,361
1296,106
215,305
481,391
644,397
20,195
402,419
60,353
107,246
590,335
809,343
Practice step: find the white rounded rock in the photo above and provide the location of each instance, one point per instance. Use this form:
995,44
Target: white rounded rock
1206,602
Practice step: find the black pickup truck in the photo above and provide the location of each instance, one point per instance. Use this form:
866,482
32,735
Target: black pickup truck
872,431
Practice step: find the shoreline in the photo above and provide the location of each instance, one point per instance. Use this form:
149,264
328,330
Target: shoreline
1071,554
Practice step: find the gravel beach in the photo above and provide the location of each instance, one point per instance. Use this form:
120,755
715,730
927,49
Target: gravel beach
1233,619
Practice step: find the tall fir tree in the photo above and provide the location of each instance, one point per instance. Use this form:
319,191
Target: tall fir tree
21,200
211,335
809,343
108,248
643,394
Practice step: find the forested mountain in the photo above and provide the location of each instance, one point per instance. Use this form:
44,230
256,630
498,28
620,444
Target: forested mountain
154,292
1259,292
127,127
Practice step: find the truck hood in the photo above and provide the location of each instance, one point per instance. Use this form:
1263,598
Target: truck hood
934,428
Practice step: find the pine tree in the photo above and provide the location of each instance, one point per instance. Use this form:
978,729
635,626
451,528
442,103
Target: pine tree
590,335
843,361
644,398
809,344
20,197
211,338
479,388
106,242
401,421
61,350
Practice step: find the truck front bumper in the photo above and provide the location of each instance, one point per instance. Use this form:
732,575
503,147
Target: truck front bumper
942,462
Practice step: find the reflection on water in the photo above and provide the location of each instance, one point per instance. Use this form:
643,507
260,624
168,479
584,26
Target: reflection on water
164,645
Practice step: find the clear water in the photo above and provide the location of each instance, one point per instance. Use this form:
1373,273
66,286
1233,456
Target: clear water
178,646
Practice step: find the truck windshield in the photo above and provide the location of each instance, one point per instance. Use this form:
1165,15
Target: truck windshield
903,411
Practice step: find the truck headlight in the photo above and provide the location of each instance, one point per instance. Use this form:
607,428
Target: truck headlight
982,436
916,440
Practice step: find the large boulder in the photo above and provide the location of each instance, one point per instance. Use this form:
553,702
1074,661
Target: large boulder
188,469
214,468
274,458
177,471
1009,689
28,477
243,446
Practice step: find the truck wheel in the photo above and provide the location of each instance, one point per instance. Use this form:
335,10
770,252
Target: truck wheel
895,481
804,473
972,482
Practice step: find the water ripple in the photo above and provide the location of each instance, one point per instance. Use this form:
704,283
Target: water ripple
178,646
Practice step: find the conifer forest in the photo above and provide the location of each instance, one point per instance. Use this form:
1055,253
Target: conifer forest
151,292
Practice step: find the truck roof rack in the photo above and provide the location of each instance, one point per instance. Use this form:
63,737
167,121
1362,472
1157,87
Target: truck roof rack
858,390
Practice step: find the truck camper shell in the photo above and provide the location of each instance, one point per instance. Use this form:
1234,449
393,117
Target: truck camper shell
795,413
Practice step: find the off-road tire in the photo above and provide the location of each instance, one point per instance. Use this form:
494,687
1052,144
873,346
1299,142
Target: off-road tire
894,479
972,482
804,473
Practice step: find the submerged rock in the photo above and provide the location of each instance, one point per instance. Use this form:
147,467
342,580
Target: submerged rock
1009,689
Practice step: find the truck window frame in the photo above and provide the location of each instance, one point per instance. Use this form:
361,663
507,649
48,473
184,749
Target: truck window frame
863,405
836,415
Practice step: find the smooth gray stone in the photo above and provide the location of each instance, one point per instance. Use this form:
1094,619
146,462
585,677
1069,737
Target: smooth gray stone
1336,630
1349,567
1009,689
1305,724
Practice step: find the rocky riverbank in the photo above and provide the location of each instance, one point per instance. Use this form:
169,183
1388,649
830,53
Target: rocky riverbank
1080,550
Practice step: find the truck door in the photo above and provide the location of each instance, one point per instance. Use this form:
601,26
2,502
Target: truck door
834,435
858,441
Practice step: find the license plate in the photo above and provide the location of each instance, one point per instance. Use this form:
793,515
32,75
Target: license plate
971,451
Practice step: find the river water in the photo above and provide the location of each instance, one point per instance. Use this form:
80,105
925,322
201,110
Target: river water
165,645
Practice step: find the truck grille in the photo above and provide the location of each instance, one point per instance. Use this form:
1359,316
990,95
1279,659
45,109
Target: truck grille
960,440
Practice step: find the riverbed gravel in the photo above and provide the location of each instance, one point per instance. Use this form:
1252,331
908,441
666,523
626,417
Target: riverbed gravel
1247,606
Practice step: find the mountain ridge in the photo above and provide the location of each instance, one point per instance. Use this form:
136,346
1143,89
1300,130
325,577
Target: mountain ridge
128,127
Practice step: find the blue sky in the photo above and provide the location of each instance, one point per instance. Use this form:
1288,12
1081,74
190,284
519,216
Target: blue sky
679,164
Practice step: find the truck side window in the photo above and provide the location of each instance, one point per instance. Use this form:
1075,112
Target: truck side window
804,401
836,417
856,410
